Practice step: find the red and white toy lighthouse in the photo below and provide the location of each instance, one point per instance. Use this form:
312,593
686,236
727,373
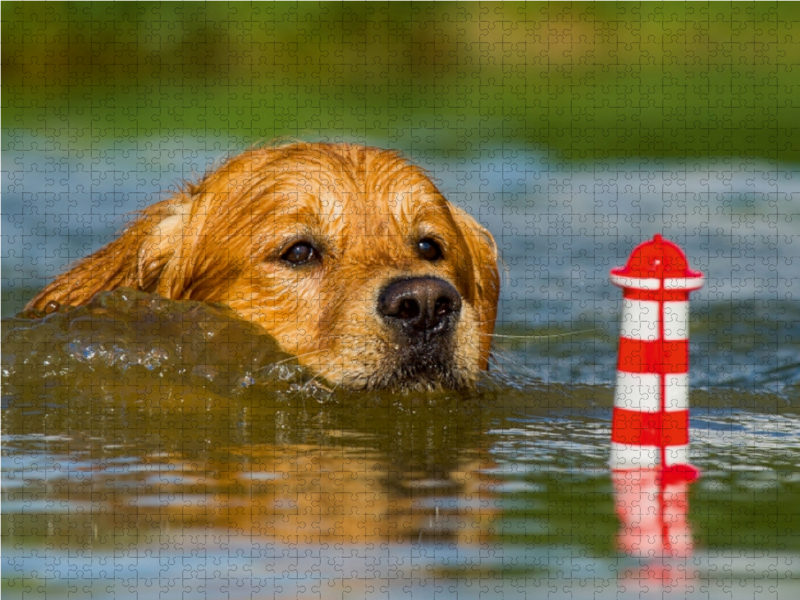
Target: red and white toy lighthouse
651,403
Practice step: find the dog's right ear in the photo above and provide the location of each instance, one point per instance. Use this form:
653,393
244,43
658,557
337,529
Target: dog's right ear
135,259
483,254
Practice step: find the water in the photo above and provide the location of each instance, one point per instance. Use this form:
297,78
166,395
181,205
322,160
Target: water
153,448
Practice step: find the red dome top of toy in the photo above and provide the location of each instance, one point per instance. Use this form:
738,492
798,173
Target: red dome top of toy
657,258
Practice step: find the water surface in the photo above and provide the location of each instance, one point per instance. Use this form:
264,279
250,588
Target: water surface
154,448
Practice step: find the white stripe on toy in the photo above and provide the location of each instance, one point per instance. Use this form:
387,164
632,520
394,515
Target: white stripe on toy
638,391
634,456
639,320
676,320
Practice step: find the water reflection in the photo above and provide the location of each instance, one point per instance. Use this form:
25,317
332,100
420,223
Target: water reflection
266,495
290,494
132,451
209,472
653,513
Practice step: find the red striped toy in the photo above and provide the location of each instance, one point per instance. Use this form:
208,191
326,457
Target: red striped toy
651,403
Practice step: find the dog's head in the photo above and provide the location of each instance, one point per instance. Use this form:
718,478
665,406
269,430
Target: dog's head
349,256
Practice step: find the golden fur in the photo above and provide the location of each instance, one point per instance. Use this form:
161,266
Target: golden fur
363,209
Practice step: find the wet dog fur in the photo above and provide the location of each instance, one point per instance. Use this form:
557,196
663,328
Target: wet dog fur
349,256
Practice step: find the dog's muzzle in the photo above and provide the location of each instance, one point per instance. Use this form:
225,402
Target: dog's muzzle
420,311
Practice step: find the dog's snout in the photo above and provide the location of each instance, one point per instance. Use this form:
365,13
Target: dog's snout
420,305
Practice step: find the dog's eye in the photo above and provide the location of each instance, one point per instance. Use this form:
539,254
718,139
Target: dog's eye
300,254
429,249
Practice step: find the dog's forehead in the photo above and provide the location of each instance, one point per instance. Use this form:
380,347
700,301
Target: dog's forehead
389,200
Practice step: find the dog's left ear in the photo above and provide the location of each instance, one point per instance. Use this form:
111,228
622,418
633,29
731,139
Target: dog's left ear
136,259
483,252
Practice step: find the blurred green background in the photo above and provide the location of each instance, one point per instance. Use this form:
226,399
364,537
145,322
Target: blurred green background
583,80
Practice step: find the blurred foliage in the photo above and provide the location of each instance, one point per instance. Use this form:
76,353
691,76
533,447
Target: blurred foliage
588,80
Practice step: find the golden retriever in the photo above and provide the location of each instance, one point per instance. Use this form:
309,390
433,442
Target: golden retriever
347,255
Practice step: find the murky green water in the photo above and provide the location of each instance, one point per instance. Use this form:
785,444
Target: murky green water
155,449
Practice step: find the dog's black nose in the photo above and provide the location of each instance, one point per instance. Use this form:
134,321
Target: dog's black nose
419,306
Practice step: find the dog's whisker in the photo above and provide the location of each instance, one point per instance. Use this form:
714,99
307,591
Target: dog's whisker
331,392
497,355
315,381
496,362
306,387
540,337
296,356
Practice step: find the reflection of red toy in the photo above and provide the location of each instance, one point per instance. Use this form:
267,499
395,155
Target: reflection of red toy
651,403
652,515
654,529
